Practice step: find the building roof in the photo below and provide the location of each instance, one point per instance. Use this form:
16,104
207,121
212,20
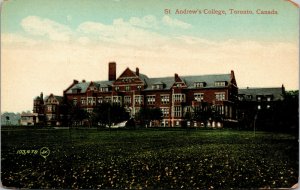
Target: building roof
58,98
37,98
276,92
81,85
166,81
103,83
28,114
190,80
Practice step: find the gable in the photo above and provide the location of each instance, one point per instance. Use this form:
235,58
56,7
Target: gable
179,82
128,77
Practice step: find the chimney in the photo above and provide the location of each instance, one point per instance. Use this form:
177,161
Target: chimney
83,81
176,76
112,71
75,81
137,71
41,95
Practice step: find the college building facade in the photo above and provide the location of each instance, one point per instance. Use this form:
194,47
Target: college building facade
175,96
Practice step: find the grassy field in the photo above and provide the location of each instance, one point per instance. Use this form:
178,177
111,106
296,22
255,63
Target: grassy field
123,159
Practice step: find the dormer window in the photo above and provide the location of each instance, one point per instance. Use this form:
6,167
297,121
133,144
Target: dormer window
269,98
220,83
258,98
104,89
157,86
76,90
249,97
199,84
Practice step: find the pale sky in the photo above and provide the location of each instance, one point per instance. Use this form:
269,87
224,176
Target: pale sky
47,44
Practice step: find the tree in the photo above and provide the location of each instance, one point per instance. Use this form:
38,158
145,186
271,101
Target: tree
146,115
105,114
202,113
77,115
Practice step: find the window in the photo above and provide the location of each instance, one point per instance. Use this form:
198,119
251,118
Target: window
49,108
151,99
198,96
249,97
220,83
177,111
50,116
139,87
107,99
258,107
100,100
74,101
258,98
179,97
127,99
117,99
268,106
83,101
177,123
220,96
165,112
92,88
91,100
188,109
165,99
89,110
157,86
117,88
104,89
269,98
138,99
127,88
199,84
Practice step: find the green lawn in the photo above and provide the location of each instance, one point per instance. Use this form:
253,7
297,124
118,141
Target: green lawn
123,159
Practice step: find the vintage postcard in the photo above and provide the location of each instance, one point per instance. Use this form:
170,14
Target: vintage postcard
160,94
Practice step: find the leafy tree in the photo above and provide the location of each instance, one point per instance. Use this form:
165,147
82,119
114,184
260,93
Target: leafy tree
145,115
105,114
202,113
77,115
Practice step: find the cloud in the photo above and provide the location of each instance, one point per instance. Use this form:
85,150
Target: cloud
16,39
135,31
173,22
148,21
122,32
45,27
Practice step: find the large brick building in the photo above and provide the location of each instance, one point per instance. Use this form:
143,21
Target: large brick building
174,95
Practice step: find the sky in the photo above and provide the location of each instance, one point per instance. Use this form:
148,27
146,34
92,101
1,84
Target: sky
45,45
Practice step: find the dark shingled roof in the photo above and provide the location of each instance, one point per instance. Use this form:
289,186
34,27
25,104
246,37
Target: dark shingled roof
84,86
190,80
101,84
277,93
37,98
58,98
166,81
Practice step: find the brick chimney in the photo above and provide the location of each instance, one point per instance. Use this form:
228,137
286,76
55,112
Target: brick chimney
175,76
41,96
112,68
137,71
